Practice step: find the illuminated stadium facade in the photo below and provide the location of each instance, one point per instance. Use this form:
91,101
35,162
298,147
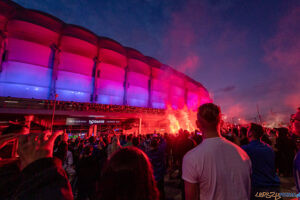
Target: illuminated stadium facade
43,56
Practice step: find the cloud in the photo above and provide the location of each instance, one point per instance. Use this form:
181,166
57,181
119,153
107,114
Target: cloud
226,89
191,63
181,38
282,54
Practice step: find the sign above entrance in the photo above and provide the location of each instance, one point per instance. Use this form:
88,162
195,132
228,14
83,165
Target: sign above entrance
91,121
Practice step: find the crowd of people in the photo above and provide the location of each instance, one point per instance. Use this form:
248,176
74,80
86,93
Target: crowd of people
212,162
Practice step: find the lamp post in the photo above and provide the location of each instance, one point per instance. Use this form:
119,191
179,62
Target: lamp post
52,122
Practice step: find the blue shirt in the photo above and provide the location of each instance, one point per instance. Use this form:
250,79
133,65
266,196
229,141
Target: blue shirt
263,164
297,170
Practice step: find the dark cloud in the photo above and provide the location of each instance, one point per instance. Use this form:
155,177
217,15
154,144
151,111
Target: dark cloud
226,89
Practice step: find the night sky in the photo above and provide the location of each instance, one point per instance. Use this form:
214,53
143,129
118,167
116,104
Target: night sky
246,53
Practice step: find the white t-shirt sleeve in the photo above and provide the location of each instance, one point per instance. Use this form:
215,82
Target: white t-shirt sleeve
189,171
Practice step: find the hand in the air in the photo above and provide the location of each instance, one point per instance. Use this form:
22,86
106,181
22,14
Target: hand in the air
33,147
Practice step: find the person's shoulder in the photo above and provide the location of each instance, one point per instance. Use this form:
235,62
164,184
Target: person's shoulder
245,147
297,157
241,150
267,146
194,152
297,161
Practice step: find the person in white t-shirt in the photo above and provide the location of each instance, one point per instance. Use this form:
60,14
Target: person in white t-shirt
216,169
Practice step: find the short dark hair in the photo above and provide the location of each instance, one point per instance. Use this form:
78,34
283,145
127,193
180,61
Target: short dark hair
257,130
92,139
243,131
282,132
154,143
210,113
136,141
129,137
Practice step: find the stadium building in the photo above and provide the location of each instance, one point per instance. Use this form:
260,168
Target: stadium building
91,81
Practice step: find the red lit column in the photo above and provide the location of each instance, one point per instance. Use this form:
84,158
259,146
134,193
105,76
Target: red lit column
149,89
3,40
96,75
125,85
55,55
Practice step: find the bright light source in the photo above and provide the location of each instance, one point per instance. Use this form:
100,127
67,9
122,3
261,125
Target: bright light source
11,101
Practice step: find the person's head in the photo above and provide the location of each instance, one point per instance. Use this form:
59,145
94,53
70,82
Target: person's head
128,175
235,132
295,122
136,141
65,137
208,117
88,150
154,143
115,140
92,139
243,132
282,132
129,137
255,131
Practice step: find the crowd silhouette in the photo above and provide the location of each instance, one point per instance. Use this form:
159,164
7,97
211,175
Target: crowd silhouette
213,162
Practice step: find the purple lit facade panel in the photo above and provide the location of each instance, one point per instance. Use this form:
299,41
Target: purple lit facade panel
177,102
137,102
31,32
75,71
23,91
159,99
159,88
72,86
109,99
138,83
110,84
159,105
111,72
76,63
71,95
159,85
28,52
111,57
137,95
137,79
177,97
25,72
159,96
110,87
177,91
74,82
110,92
193,100
159,93
139,66
22,73
78,46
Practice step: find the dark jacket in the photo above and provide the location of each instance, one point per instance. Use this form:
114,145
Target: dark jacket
43,179
157,158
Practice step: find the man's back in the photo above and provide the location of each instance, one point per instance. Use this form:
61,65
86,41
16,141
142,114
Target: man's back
221,168
263,164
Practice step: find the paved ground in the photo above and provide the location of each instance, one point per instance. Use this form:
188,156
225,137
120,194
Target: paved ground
173,191
287,185
172,186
